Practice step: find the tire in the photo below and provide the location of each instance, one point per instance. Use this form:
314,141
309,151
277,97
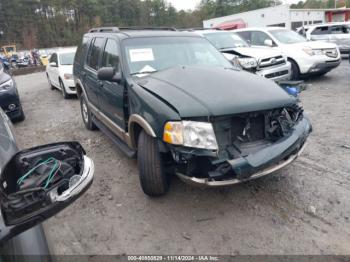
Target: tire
295,75
86,114
49,81
21,116
64,92
153,179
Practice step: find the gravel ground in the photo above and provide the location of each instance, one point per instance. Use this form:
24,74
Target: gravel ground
302,209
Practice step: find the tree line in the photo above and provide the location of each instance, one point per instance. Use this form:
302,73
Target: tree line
48,23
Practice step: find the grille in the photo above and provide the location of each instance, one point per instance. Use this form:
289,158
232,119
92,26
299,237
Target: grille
276,74
272,61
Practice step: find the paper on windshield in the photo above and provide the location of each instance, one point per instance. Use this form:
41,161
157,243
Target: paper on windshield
141,55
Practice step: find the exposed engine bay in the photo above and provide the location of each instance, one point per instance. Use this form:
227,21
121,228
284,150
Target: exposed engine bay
34,179
246,142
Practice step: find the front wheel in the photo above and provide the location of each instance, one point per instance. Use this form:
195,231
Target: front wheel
153,178
64,92
86,114
295,75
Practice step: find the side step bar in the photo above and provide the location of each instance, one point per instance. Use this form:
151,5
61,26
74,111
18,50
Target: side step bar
116,140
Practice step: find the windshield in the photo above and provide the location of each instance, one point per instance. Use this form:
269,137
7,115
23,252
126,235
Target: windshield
67,58
226,40
147,55
287,36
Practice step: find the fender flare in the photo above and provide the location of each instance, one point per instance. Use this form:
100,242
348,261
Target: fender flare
137,119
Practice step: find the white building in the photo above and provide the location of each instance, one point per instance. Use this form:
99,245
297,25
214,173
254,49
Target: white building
280,15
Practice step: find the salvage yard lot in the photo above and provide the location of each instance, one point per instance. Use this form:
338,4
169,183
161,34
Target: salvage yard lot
302,209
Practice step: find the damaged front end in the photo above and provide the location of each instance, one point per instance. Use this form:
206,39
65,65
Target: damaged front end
250,145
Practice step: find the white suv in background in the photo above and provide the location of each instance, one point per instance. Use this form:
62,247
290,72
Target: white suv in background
59,71
268,63
307,57
337,33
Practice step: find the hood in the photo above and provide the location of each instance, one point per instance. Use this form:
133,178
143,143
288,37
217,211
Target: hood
256,52
207,91
66,69
315,45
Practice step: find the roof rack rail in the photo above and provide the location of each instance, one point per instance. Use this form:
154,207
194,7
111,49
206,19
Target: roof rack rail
148,28
104,29
198,28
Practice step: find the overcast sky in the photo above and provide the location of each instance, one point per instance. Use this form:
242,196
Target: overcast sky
191,4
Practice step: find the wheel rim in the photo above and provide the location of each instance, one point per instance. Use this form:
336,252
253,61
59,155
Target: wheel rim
85,112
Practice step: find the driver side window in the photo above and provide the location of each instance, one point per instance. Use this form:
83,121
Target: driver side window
258,38
111,55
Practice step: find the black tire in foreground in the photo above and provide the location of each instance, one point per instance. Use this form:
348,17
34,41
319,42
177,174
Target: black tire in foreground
153,178
86,114
21,116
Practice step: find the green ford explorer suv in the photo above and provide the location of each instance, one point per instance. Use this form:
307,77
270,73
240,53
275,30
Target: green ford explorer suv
171,99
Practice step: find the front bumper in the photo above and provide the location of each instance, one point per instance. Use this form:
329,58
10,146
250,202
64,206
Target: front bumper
323,67
261,163
70,86
276,73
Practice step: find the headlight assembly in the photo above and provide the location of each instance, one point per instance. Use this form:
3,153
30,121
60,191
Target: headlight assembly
68,76
190,134
6,86
248,62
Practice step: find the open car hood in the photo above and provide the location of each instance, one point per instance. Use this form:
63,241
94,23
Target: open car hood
207,91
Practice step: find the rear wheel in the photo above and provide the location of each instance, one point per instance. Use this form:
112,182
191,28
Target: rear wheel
63,89
295,75
153,178
86,114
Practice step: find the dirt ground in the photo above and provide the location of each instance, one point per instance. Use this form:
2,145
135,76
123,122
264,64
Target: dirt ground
302,209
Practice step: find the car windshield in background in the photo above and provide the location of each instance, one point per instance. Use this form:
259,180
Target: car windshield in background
226,40
287,36
147,55
67,58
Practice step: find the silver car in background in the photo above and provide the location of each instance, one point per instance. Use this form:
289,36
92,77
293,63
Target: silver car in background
338,33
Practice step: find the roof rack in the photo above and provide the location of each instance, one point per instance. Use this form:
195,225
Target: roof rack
148,28
118,29
104,29
198,28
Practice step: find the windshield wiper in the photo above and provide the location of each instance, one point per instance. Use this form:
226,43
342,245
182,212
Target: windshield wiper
143,72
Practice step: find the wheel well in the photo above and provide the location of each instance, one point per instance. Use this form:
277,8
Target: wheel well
79,90
135,130
293,61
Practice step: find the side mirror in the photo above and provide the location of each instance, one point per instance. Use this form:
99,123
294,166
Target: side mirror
53,64
38,183
268,42
109,74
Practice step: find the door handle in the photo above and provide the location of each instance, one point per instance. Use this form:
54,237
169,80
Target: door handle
100,83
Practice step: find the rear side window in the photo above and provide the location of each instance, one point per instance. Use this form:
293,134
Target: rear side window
94,53
324,30
110,55
340,29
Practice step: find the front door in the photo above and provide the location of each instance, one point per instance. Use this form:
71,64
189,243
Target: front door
111,94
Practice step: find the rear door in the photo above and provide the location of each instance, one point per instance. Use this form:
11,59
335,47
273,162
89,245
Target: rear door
341,36
91,82
111,93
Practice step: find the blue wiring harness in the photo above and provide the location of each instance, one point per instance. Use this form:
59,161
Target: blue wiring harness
54,170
